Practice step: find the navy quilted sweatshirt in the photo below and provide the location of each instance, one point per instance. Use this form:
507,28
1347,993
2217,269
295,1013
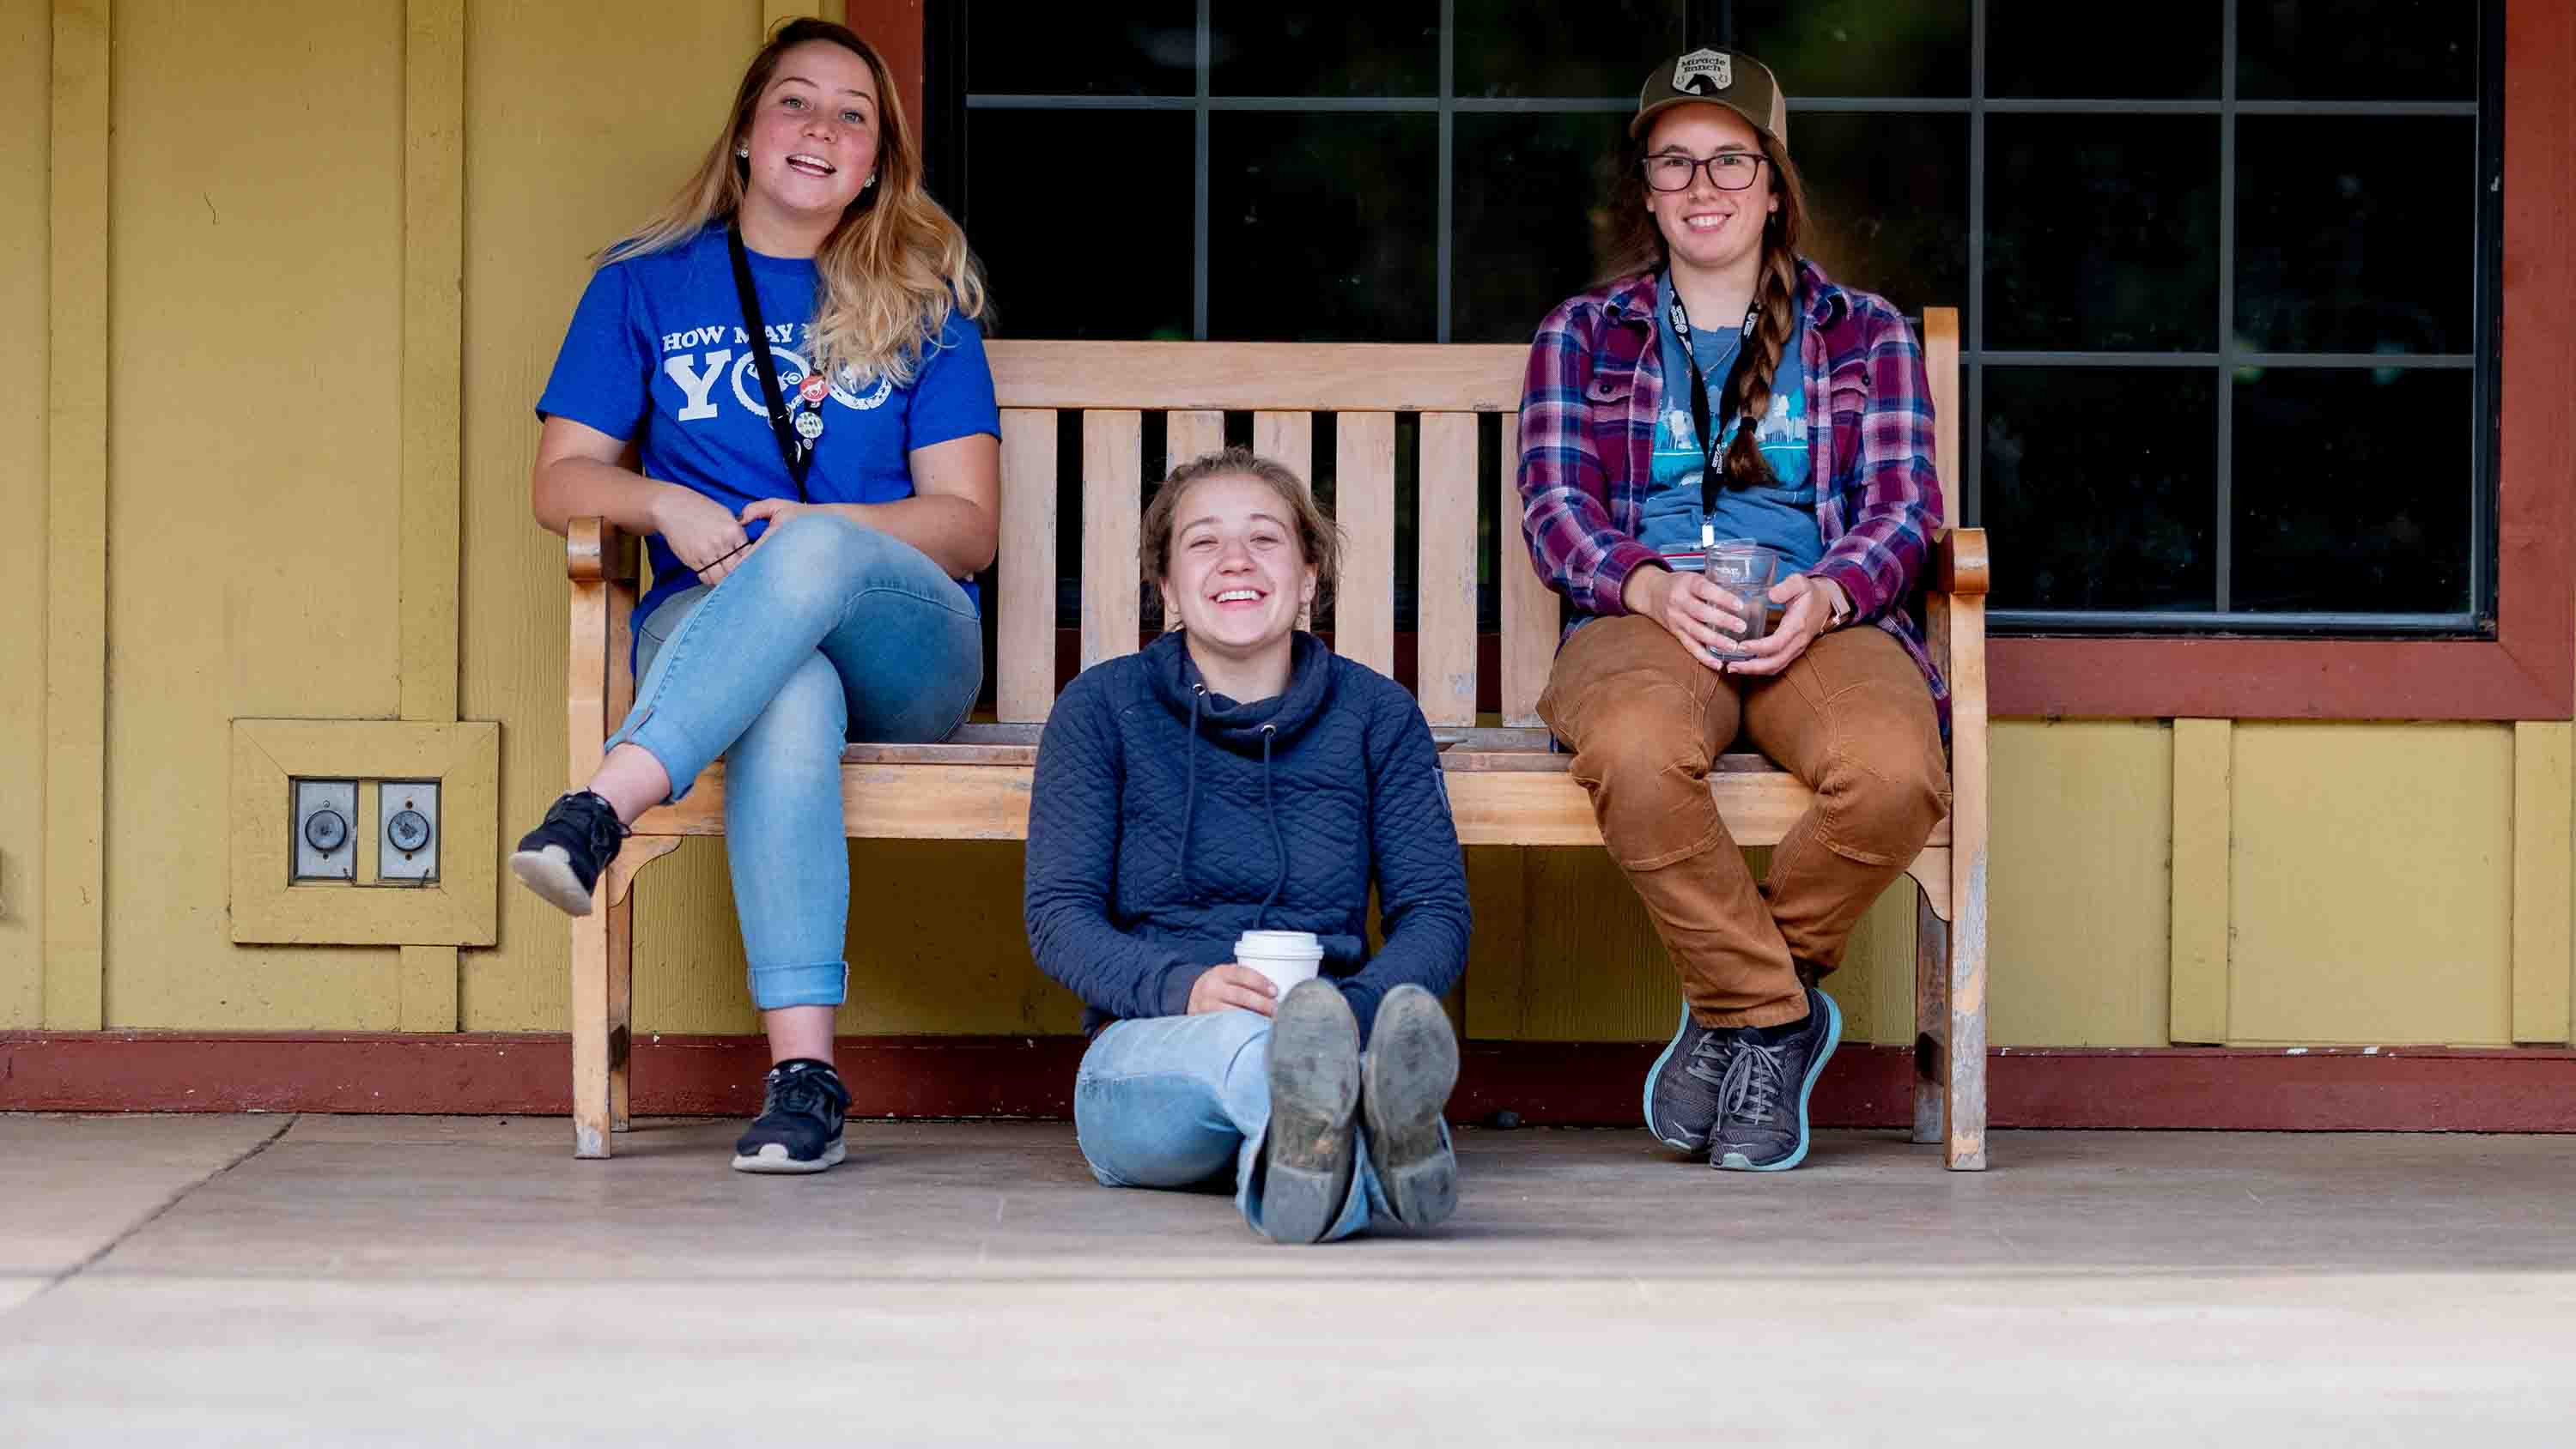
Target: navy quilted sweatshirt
1167,820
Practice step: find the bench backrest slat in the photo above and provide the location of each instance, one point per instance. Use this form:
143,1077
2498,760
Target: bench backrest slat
1529,606
1364,506
1112,463
1445,595
1024,670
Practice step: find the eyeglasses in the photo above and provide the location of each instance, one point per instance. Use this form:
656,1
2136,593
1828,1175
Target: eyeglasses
1727,170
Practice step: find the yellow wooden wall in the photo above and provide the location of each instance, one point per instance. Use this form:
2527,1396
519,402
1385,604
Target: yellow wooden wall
242,171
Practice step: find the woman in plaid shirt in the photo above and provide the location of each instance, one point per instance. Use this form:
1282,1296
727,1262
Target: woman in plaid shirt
1712,324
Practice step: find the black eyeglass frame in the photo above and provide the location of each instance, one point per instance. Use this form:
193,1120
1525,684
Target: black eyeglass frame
1646,166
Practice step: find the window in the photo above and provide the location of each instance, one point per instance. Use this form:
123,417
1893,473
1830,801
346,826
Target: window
2228,267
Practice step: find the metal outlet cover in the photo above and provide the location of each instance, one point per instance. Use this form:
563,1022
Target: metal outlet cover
325,830
406,831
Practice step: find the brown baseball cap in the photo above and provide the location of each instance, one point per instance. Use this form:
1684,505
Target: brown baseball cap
1729,78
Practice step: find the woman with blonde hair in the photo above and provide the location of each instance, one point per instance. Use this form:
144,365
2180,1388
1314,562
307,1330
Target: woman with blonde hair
1719,396
790,348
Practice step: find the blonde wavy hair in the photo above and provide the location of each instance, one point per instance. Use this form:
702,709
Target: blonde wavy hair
889,275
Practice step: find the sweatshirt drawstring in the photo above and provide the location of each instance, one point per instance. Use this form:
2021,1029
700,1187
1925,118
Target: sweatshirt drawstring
1279,843
1190,791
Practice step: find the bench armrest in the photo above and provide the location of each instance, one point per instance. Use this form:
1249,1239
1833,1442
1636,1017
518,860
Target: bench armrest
1959,562
596,550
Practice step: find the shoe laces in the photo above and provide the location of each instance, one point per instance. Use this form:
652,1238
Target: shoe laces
1711,1058
598,820
801,1093
1755,1081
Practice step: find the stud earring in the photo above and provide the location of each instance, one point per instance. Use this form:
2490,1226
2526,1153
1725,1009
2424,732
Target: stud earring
742,153
871,181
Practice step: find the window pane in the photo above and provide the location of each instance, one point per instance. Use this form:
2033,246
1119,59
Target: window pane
1320,227
2356,234
2382,50
2102,233
1858,47
2351,490
1528,186
2166,51
1888,204
1149,48
1050,280
2100,486
1389,48
1512,48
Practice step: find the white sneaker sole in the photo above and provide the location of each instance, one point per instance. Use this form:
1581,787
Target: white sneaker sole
548,872
773,1158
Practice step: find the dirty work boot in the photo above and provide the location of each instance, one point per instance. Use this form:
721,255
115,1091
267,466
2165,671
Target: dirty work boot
1764,1098
1405,1078
561,859
1682,1088
802,1107
1314,1092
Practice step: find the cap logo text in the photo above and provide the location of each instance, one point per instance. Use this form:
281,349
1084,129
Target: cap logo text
1704,72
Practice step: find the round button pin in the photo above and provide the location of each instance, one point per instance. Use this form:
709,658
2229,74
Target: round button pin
809,426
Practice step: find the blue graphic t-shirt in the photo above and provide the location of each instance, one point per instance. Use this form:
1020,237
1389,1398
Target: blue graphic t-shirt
656,354
1780,515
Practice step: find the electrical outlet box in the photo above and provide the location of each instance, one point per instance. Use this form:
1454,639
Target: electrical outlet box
325,827
407,843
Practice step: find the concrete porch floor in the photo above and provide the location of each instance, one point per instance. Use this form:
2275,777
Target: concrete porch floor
347,1280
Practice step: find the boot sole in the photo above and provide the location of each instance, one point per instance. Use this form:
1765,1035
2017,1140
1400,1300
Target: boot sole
1411,1067
1314,1093
548,872
1736,1161
782,1164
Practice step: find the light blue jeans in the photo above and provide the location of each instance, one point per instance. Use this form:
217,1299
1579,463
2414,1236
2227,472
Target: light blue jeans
828,632
1169,1101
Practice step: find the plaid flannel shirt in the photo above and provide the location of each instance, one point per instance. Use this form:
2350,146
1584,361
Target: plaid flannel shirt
1588,409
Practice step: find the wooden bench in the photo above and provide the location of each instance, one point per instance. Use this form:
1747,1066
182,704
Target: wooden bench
1505,786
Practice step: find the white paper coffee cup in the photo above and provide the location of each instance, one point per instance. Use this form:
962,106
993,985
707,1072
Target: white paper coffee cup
1286,957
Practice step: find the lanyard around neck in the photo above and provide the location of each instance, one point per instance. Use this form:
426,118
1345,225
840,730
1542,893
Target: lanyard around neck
795,451
1708,472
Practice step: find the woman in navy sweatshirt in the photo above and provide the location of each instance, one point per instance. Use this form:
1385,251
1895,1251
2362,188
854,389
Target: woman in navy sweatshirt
1236,775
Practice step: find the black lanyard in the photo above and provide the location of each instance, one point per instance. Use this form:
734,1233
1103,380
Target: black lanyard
795,451
1708,472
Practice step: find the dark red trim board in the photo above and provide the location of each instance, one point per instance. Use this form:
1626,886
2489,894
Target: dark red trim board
2402,1089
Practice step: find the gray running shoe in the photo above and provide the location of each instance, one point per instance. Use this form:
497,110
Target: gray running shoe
1764,1100
1682,1088
1405,1080
1314,1095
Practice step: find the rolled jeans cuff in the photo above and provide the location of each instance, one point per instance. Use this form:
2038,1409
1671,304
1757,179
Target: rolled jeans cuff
665,742
825,983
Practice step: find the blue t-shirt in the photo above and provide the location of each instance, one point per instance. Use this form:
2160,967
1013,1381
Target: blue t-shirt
1780,515
657,354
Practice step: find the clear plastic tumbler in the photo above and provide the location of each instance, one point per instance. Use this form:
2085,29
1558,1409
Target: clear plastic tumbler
1743,568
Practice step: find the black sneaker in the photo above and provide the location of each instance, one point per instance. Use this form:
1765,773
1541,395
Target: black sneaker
802,1107
562,858
1765,1095
1314,1093
1405,1080
1682,1089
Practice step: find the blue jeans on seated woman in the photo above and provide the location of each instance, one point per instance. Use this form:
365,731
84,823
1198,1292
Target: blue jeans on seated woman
828,632
1174,1101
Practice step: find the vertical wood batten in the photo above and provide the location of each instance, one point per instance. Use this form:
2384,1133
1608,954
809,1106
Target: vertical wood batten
1364,507
2204,792
1024,671
1112,479
1445,598
1941,367
433,380
77,482
1287,438
2541,881
433,421
1529,606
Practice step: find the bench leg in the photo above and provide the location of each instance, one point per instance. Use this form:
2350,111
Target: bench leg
1965,1147
590,1034
1931,1020
621,1006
